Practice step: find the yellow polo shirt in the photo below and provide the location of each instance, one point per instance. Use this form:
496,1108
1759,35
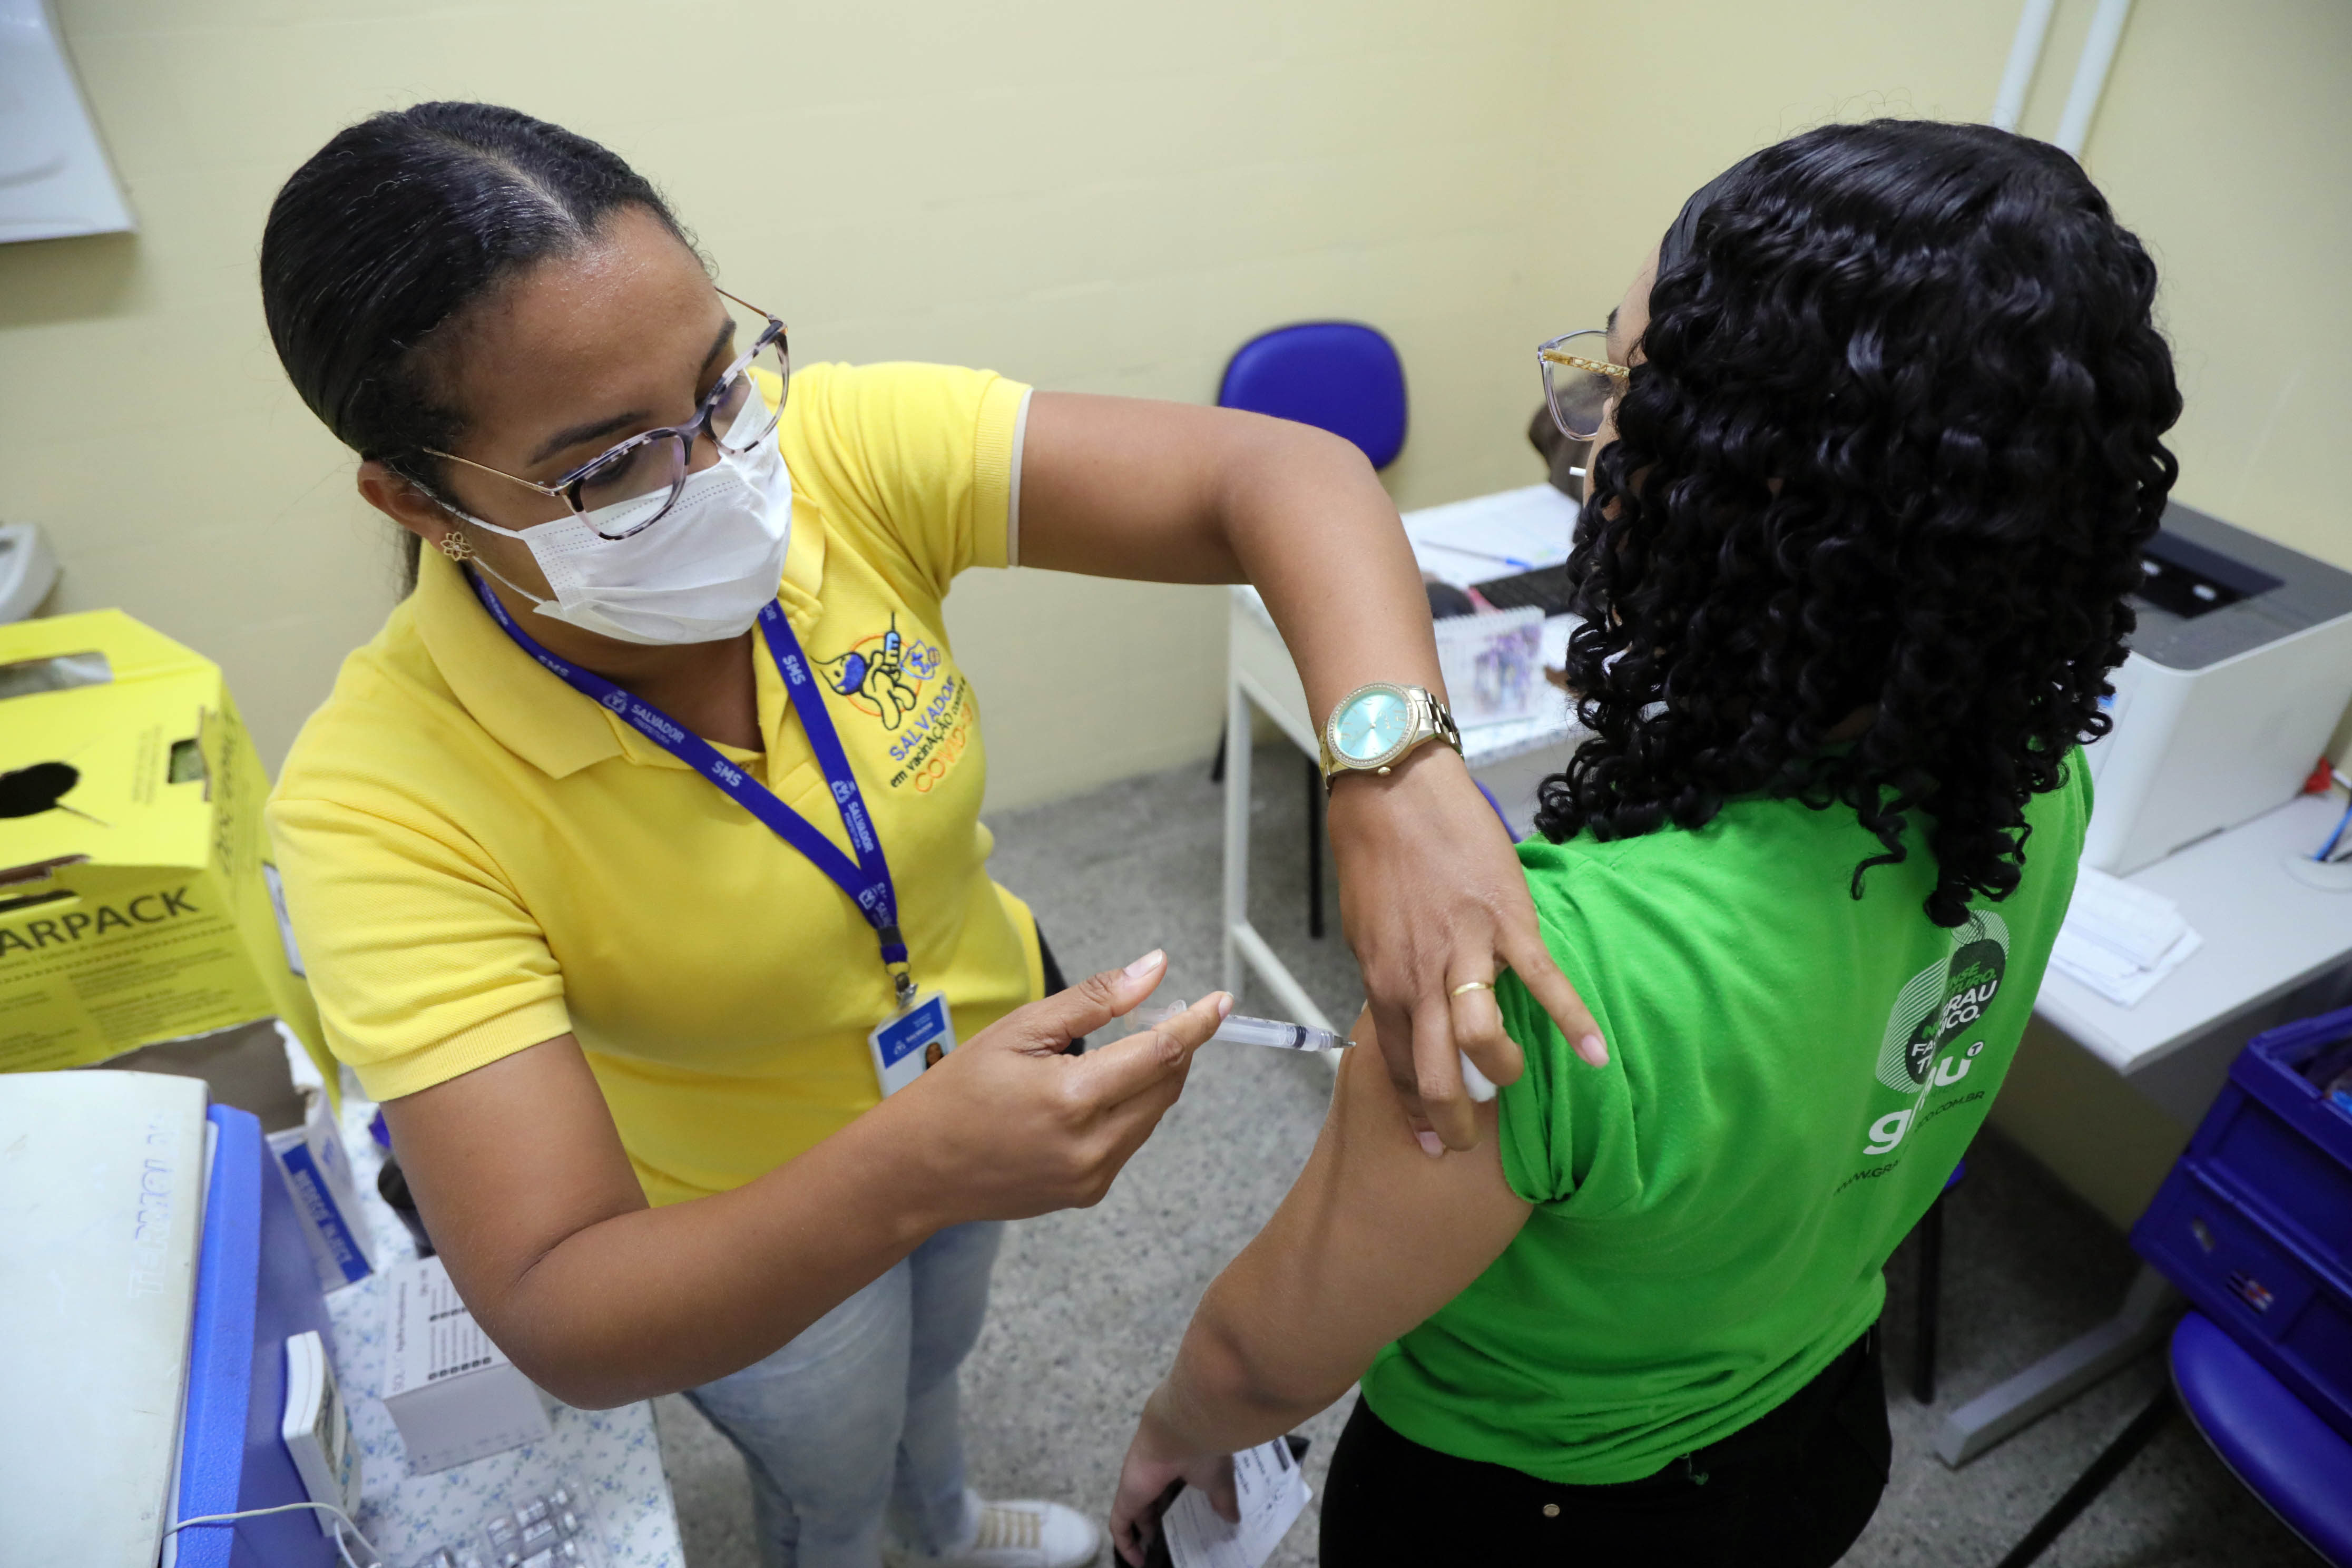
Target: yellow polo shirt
477,857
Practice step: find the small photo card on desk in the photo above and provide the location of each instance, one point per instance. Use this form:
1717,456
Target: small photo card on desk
1492,665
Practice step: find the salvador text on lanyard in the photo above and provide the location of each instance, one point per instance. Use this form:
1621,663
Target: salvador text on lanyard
902,1045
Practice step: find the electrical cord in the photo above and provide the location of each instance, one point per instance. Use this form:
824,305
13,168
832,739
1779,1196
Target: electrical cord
2327,850
344,1519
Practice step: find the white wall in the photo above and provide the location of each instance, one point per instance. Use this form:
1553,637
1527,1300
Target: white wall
1094,197
1103,196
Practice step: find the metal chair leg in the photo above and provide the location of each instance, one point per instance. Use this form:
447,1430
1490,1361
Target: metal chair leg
1931,1291
2104,1470
1314,849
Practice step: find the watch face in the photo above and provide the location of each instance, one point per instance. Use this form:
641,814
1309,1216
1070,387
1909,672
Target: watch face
1373,723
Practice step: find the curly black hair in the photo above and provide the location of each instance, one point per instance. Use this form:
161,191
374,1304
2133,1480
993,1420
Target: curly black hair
1894,444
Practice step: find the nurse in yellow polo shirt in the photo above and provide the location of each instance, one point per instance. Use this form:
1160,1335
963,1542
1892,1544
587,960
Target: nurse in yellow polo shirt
637,861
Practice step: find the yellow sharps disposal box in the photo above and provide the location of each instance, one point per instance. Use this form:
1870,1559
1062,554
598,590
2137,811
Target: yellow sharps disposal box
136,901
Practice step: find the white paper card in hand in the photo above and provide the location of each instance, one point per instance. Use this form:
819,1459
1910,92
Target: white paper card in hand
1271,1491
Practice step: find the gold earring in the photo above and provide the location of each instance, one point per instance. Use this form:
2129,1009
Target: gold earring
454,546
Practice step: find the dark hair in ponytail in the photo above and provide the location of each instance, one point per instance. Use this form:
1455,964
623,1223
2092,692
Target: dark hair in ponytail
397,225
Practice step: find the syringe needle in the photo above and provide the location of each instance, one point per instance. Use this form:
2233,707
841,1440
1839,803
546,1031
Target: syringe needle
1242,1030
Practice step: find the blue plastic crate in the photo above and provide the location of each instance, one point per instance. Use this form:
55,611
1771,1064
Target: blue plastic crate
2254,1223
255,1286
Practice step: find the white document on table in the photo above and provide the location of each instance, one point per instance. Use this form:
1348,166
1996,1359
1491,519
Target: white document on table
1469,541
2120,939
1271,1491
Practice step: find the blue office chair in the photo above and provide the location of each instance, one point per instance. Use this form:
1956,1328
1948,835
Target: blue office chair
1341,377
2299,1467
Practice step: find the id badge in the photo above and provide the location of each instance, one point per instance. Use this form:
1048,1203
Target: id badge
907,1041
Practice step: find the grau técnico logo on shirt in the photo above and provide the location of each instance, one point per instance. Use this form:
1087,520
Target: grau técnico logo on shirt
1928,1045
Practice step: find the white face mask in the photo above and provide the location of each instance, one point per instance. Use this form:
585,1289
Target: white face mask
702,573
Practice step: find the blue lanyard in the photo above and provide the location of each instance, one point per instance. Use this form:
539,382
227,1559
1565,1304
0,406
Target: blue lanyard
866,879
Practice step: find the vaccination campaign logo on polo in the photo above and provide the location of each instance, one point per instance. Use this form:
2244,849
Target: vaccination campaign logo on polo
906,684
1931,1040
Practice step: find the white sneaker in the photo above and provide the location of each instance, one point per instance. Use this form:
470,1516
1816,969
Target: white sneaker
1023,1534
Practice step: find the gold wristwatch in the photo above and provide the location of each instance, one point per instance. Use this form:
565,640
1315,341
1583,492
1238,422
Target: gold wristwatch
1374,726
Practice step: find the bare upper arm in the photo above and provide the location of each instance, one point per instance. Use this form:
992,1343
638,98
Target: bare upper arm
1374,1237
506,1162
1126,487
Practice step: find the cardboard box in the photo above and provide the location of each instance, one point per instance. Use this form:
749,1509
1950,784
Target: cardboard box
453,1395
136,903
311,1157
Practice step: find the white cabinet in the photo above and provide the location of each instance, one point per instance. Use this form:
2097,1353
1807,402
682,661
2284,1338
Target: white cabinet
54,176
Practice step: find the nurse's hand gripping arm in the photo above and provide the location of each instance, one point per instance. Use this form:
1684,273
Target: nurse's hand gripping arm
1373,1238
522,1178
1430,893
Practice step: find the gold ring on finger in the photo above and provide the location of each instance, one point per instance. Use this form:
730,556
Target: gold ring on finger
1469,985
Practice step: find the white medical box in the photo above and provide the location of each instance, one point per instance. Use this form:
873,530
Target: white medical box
319,1173
452,1394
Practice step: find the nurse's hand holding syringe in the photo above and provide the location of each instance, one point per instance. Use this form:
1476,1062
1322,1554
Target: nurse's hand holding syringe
1238,1030
603,1299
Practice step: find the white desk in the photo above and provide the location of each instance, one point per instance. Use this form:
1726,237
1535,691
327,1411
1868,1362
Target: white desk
2274,949
1455,544
2266,935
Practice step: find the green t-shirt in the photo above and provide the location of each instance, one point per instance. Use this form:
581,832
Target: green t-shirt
1793,1076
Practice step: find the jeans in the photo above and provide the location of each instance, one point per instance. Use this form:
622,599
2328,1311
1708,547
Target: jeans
1791,1489
856,1418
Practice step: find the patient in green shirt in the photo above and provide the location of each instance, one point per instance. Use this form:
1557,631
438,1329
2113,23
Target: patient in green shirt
1876,441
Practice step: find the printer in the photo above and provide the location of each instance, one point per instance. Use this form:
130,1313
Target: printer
2240,669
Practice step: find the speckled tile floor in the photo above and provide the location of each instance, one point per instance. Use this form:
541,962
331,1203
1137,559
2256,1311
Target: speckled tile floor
1088,1306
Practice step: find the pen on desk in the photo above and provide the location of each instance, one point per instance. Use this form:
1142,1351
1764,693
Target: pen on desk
1511,560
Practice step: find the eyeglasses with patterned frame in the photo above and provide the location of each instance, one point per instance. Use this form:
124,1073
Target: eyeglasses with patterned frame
639,468
1579,381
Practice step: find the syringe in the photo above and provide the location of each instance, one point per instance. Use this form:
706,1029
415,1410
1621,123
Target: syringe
1239,1030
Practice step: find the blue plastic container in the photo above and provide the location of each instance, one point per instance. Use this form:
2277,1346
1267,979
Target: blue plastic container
2254,1223
254,1288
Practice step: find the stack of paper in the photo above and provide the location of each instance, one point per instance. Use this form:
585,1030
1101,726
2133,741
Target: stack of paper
2120,939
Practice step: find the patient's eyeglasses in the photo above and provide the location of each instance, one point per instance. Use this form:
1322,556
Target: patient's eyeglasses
634,483
1579,381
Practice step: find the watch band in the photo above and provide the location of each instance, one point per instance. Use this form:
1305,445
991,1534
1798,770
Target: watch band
1431,721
